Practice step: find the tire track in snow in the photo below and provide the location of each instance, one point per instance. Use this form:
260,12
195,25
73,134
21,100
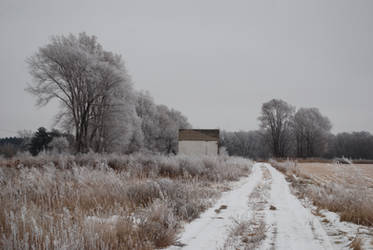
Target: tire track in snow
292,226
209,231
250,233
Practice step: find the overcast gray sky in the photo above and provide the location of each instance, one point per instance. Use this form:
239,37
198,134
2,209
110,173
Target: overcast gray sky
215,61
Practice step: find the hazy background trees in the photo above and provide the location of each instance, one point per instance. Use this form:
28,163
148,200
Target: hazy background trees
104,112
250,144
276,119
10,146
311,130
305,133
355,145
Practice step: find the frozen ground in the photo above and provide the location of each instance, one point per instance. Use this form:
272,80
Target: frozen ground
289,225
210,230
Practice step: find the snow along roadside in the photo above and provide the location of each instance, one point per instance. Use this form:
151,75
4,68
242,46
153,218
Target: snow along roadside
291,225
209,231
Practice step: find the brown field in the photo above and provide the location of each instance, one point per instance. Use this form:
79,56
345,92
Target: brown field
348,175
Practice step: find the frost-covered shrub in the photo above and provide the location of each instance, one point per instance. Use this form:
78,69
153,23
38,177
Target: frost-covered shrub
92,201
353,204
59,145
159,225
143,194
169,167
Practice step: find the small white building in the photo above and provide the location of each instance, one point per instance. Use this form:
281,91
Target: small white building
198,142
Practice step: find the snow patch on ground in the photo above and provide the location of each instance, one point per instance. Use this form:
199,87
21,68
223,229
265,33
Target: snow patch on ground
291,225
341,233
211,229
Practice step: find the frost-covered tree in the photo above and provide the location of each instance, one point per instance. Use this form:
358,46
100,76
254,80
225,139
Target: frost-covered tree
169,121
311,131
147,111
59,145
93,88
159,124
248,144
275,119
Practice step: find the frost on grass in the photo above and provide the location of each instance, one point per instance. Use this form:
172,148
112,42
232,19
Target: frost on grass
249,232
353,202
245,234
344,206
96,201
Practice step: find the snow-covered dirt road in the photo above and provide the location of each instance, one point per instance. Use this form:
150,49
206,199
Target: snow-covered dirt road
291,226
210,230
288,225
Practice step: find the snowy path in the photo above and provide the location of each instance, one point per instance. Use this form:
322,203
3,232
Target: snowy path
290,225
210,230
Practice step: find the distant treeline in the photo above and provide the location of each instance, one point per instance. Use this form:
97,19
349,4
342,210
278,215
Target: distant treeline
303,133
9,146
251,144
100,111
41,140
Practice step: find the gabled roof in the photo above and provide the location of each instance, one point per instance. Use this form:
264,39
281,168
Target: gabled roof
198,134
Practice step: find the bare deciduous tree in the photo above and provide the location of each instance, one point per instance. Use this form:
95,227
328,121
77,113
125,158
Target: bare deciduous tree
354,145
276,118
90,83
311,131
248,144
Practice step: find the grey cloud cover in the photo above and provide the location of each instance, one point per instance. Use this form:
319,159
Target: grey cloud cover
215,61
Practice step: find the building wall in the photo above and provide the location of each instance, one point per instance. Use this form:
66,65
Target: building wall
198,147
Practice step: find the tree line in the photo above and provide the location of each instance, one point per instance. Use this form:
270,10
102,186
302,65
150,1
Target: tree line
101,111
303,133
99,105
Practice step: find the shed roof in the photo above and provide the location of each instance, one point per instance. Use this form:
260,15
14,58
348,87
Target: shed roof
198,134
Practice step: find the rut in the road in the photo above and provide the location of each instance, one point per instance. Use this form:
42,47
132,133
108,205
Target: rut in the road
249,233
292,225
273,218
211,229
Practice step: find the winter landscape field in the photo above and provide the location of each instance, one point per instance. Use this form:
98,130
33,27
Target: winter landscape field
107,202
345,174
186,125
151,202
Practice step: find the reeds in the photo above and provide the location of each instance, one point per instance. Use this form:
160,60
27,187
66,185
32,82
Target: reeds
96,201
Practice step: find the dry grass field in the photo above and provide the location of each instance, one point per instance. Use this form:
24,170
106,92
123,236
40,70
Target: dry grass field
346,189
344,174
96,201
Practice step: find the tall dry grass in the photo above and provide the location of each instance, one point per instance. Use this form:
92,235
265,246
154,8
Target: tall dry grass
353,202
96,201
